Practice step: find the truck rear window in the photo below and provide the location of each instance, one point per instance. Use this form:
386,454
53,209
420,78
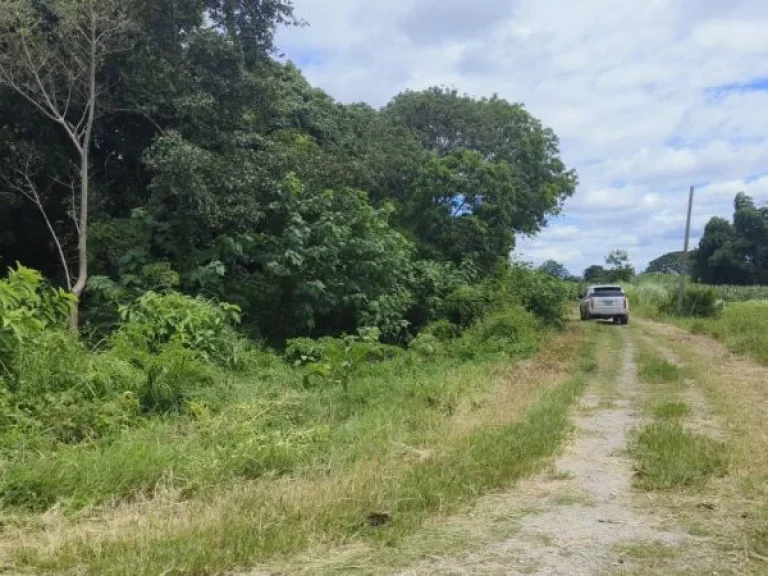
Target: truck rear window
615,292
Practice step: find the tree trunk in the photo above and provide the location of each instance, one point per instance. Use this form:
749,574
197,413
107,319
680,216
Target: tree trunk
82,233
82,244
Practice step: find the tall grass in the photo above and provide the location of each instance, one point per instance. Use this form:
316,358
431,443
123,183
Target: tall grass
390,452
742,326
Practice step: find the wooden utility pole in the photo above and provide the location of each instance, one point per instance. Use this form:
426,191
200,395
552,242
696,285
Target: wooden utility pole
684,271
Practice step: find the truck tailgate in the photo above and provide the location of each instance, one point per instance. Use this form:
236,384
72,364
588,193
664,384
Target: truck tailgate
609,305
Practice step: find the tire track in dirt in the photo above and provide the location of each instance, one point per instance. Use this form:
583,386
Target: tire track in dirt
583,518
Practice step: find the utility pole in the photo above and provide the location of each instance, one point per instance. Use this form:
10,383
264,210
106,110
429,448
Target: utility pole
684,271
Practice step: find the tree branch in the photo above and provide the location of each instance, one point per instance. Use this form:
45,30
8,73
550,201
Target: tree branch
29,190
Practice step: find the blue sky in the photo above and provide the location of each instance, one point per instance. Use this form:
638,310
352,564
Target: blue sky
647,97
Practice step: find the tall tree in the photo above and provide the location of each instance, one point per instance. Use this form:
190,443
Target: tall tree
620,268
555,269
500,132
595,273
52,56
670,263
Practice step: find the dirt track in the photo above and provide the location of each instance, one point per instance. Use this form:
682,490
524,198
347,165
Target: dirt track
584,517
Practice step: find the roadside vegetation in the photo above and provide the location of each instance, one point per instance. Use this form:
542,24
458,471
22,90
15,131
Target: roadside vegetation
333,438
670,455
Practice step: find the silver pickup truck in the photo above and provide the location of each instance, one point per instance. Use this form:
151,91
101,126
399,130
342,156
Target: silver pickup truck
607,302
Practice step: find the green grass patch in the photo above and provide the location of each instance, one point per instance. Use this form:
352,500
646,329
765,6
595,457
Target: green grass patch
657,370
668,456
672,411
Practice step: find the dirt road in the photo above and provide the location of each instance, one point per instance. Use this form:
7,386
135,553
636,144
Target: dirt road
583,517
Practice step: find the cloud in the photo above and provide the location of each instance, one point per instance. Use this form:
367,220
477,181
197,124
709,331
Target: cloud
437,21
647,98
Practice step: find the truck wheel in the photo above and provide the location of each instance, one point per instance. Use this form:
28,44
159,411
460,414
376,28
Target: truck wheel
624,320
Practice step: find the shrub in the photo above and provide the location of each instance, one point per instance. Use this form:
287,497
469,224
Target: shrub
539,293
203,326
175,378
512,330
443,330
28,307
426,345
337,359
700,301
466,304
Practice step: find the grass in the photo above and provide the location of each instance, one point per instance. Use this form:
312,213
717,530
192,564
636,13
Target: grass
740,326
669,456
672,411
284,467
656,370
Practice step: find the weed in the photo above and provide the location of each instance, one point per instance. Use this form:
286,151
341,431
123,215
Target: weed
672,411
657,370
668,456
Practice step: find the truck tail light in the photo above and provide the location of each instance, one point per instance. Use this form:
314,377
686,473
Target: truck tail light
591,303
625,302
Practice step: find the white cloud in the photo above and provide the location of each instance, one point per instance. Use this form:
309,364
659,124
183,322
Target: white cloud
647,97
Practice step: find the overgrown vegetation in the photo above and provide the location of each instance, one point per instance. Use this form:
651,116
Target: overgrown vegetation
244,281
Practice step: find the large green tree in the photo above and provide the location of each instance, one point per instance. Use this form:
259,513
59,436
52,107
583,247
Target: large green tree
670,263
735,253
216,168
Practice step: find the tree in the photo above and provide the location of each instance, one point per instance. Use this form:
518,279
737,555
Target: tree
463,208
735,253
595,273
499,132
620,268
51,55
555,269
670,263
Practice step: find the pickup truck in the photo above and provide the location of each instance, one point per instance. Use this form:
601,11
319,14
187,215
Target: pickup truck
605,303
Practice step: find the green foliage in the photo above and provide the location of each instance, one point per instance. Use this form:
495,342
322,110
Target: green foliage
336,360
511,331
555,269
175,380
699,301
467,304
28,307
426,345
443,330
670,263
741,326
595,273
155,321
543,295
620,268
735,253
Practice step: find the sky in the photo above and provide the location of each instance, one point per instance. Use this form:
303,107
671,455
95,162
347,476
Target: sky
648,98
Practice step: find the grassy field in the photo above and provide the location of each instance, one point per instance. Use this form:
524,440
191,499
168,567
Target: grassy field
739,320
411,438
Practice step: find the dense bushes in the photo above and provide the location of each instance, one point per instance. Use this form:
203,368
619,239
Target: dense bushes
28,307
658,295
698,301
153,321
171,354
